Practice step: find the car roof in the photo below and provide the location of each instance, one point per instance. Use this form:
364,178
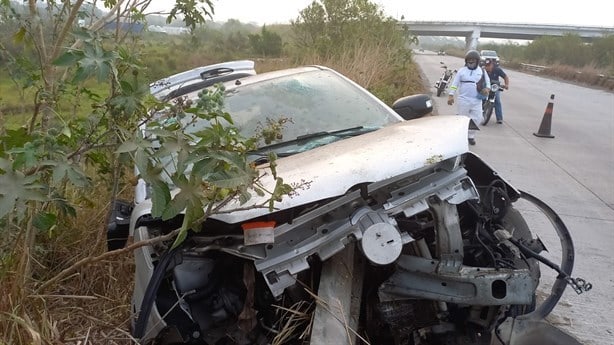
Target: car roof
251,79
200,77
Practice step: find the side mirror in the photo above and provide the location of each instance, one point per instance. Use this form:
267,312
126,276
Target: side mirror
413,107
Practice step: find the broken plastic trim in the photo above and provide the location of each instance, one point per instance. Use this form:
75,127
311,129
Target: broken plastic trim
165,263
532,328
567,258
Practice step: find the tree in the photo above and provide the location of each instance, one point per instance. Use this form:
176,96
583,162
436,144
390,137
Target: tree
267,43
357,39
332,27
90,103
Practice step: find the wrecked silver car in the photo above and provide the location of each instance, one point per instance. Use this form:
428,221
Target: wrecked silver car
441,254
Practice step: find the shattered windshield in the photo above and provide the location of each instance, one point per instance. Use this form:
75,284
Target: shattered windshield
313,102
320,107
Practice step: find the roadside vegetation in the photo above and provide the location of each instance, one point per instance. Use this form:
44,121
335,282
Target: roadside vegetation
567,58
72,95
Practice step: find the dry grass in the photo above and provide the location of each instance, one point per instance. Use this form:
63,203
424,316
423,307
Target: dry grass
587,75
374,67
295,322
91,306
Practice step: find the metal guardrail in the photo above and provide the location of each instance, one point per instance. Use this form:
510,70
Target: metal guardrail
539,69
532,68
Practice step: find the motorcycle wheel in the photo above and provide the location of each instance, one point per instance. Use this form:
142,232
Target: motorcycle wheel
440,90
487,113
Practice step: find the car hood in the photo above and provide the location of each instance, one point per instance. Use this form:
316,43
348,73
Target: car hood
331,170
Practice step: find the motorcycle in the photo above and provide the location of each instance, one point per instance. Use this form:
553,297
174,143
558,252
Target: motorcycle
442,84
488,104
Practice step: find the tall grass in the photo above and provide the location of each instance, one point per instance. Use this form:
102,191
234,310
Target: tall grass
90,306
385,72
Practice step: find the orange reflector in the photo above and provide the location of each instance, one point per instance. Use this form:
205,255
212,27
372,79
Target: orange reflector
256,225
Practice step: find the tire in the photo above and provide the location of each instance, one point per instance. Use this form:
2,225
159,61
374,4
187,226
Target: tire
440,89
487,113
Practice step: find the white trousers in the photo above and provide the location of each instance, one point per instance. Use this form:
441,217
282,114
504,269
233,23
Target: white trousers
473,110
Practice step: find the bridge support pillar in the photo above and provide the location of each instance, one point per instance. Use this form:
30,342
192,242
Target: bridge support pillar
471,41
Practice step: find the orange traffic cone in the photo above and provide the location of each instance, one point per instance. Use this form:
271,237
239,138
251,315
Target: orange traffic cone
544,127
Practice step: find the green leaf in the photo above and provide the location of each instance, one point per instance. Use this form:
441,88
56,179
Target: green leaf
16,189
25,156
83,34
244,197
141,159
59,171
259,191
175,206
63,206
44,221
67,59
81,74
5,165
194,212
15,138
126,86
66,132
183,233
225,179
203,167
7,203
127,146
161,196
77,177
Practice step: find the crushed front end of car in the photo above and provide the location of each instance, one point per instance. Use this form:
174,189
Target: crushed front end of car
435,223
440,253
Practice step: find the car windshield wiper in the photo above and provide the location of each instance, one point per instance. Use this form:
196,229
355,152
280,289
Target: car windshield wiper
262,152
301,139
347,131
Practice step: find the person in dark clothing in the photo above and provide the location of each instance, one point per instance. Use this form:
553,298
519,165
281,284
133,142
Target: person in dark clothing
495,72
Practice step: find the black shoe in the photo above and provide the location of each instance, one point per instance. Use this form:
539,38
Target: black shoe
499,121
471,141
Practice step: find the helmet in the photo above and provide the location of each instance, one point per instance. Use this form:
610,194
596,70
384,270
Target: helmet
475,55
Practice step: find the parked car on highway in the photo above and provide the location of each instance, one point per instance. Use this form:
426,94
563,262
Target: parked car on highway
449,257
441,52
489,54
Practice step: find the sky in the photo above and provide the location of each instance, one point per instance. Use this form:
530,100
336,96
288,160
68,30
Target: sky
578,13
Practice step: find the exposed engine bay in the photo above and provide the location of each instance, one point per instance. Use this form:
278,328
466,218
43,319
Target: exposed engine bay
446,259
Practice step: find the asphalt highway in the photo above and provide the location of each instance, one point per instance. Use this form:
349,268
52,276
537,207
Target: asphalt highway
573,173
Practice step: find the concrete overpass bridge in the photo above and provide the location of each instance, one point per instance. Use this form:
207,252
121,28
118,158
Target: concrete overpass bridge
472,31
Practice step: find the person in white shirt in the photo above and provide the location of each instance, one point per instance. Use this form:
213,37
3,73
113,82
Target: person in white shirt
465,85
